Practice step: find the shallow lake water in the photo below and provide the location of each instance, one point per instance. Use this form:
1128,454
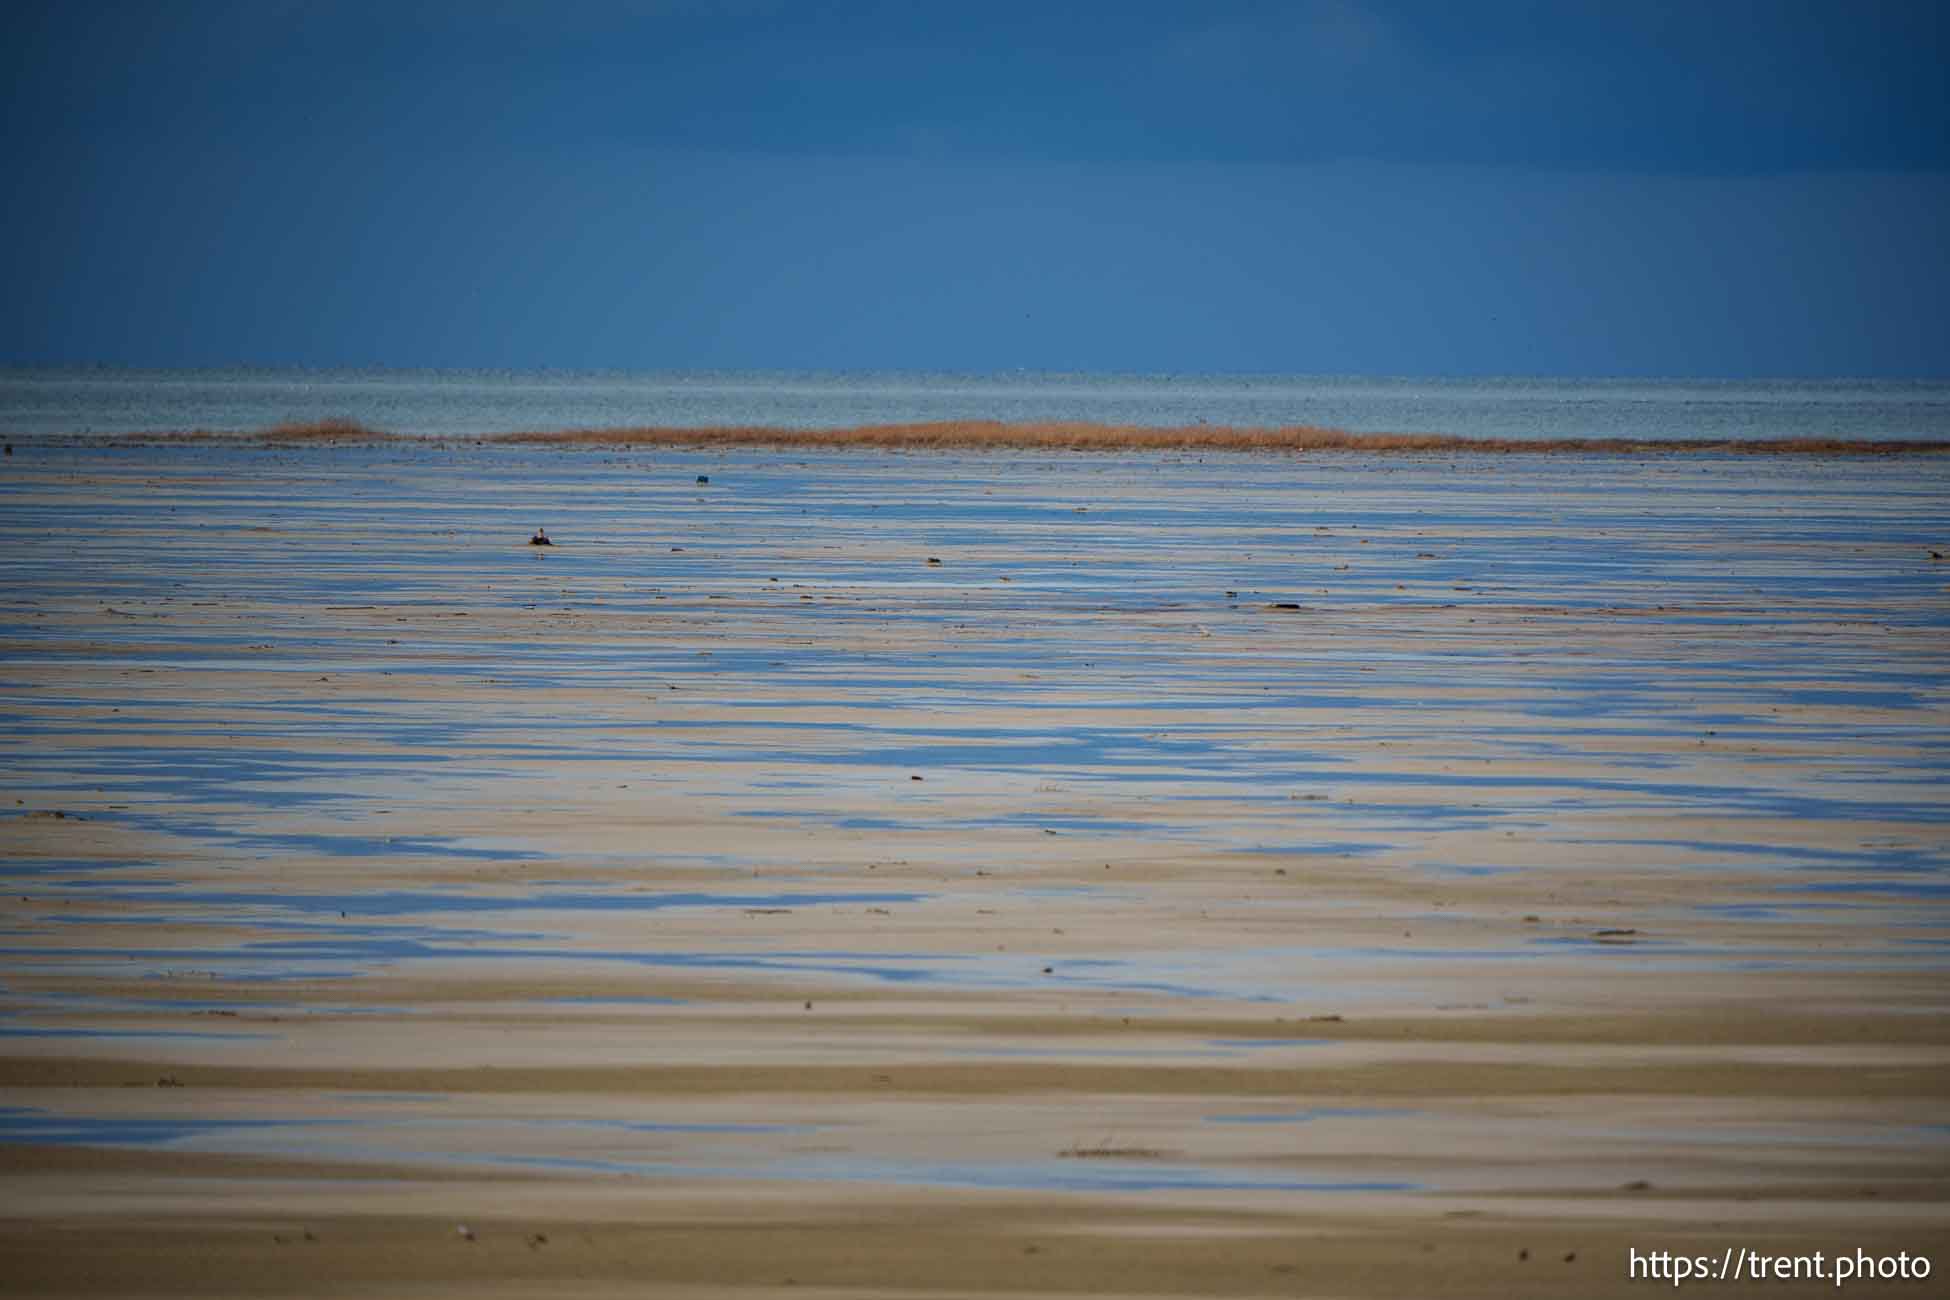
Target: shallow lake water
309,759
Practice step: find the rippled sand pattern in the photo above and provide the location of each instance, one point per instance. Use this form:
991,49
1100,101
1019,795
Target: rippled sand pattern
1010,874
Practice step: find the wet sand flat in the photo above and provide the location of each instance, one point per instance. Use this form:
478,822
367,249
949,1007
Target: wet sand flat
868,872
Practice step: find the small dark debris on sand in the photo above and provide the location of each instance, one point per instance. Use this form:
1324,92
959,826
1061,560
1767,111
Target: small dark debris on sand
1108,1152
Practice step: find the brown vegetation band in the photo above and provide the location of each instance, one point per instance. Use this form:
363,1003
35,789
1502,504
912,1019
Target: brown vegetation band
980,435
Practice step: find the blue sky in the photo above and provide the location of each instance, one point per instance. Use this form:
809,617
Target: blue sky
1721,187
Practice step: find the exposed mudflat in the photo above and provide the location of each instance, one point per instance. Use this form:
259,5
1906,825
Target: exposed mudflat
919,873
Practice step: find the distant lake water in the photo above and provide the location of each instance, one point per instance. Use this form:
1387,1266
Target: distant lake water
77,400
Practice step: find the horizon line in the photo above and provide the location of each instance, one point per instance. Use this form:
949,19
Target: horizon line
17,367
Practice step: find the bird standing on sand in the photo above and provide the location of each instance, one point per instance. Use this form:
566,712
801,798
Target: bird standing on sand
540,538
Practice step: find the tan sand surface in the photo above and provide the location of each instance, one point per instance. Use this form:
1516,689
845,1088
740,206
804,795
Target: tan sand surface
1565,876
